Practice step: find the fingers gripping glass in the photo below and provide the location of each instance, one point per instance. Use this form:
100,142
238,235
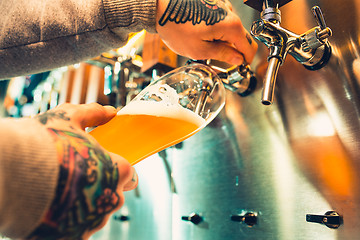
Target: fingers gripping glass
168,111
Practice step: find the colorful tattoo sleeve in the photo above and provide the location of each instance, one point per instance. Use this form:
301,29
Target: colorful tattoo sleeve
182,11
86,189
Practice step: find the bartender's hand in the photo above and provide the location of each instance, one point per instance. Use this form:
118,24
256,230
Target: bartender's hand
91,181
204,29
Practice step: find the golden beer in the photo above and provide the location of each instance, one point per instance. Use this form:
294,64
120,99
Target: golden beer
143,128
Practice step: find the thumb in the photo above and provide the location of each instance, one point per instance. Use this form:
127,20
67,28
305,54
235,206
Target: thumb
93,114
128,177
223,51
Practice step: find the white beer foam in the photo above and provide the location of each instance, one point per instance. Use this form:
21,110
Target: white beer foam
161,109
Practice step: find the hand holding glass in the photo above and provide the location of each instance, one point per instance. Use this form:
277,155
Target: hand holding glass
168,111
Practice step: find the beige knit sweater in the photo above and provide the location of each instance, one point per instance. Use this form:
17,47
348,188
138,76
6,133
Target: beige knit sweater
28,175
39,35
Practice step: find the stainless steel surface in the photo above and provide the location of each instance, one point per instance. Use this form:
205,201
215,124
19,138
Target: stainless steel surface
242,163
147,212
282,162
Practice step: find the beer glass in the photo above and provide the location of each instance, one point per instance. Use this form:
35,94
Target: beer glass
168,111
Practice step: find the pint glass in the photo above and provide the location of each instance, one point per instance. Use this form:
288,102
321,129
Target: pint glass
169,110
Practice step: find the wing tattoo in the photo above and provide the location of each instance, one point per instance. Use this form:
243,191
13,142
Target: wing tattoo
182,11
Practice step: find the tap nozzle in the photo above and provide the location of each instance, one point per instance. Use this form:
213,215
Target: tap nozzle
270,80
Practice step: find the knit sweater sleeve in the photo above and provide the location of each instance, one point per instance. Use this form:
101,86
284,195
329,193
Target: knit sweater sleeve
28,175
39,35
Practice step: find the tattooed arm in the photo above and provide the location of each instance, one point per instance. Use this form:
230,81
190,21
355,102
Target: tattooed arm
90,181
204,29
43,34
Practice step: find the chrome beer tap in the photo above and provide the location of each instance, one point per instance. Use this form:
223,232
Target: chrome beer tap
311,48
239,79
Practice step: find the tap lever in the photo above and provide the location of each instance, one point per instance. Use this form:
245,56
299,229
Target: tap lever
324,32
248,218
331,219
194,218
319,17
317,36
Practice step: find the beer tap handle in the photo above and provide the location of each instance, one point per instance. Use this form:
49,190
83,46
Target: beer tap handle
331,219
319,17
324,32
317,36
248,218
194,218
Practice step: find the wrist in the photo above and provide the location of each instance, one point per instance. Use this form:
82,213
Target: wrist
86,190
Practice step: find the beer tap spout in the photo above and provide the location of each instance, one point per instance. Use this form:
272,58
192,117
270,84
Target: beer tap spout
270,80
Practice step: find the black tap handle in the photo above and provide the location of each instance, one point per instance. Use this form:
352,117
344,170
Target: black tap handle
194,218
258,4
331,219
248,218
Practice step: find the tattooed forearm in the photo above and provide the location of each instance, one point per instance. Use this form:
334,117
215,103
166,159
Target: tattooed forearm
86,189
182,11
